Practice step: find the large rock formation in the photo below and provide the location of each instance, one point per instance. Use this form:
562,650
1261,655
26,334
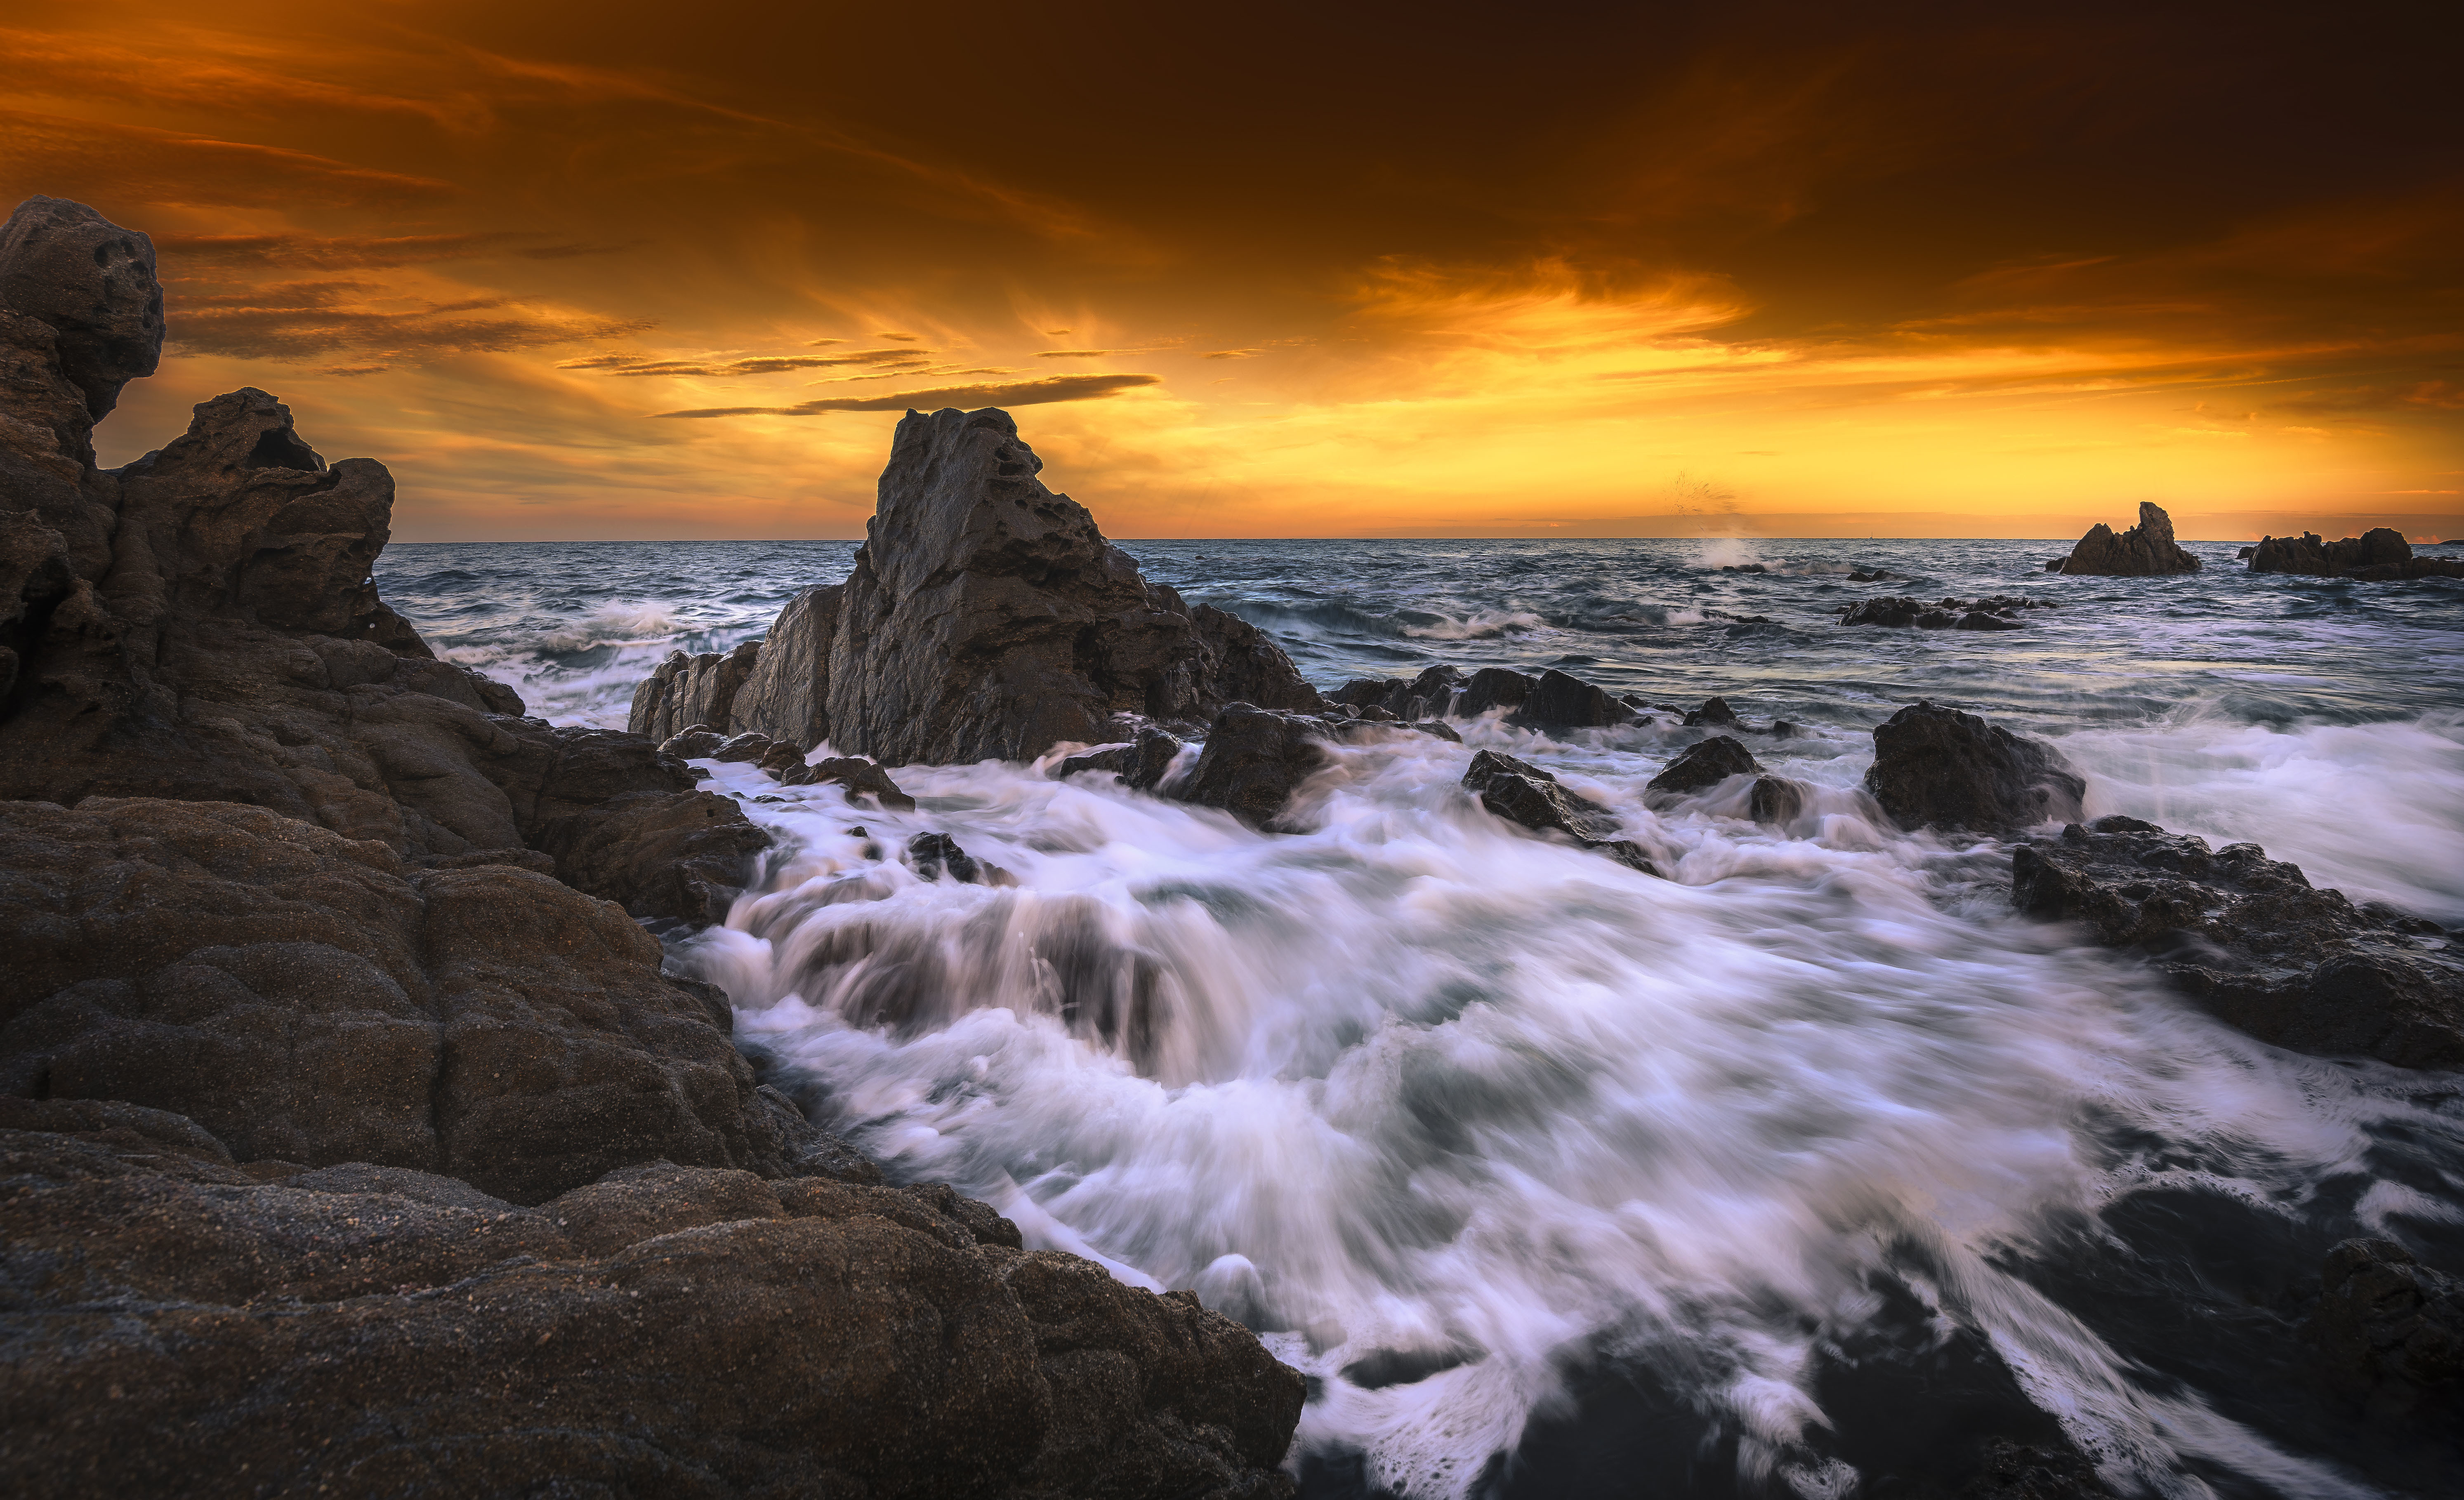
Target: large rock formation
2250,936
687,690
180,1326
93,282
2145,550
2378,555
986,618
1939,768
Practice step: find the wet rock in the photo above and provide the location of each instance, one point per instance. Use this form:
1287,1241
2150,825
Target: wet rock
2246,553
664,1330
1559,701
1118,760
2253,941
1704,765
686,690
314,999
987,616
1253,761
1777,800
1437,728
2378,555
1714,711
1493,687
861,778
746,749
1979,620
786,695
2146,549
2390,1332
1521,792
781,762
679,856
1158,752
1939,768
696,742
937,855
1373,714
1999,612
94,284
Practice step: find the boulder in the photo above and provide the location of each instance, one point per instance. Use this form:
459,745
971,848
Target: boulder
1939,768
1118,760
1559,701
937,855
1702,766
1493,687
2378,555
313,999
2253,941
182,1328
697,742
1777,800
94,284
1429,695
1522,794
687,690
786,695
1714,711
2389,1332
987,617
744,750
1253,761
2145,550
861,778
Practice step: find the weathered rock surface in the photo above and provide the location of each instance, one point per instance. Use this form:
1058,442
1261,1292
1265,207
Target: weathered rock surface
686,690
1899,612
1704,765
987,616
787,694
1493,687
1561,700
2145,550
1521,792
935,856
179,1327
1427,696
1253,761
2389,1332
94,283
2253,941
2378,555
1939,768
315,999
860,777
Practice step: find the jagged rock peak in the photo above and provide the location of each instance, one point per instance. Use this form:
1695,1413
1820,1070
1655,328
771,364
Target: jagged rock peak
94,283
2146,549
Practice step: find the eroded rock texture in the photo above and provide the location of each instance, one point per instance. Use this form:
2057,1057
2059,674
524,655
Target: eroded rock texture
2378,555
181,1327
2253,941
1521,792
787,695
1939,768
2145,550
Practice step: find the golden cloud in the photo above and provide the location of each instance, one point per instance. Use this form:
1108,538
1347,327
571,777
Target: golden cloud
1014,393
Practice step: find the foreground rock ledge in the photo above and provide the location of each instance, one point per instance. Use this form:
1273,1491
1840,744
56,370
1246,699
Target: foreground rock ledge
177,1326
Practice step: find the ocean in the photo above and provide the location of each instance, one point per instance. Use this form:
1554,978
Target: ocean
1801,1165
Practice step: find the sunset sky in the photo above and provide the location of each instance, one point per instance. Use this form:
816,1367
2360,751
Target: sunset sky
625,270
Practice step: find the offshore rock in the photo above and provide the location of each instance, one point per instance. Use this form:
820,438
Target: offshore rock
986,616
1253,761
93,282
2250,937
686,690
1899,612
1493,687
1704,765
1429,695
1521,792
666,1331
1939,768
313,999
2389,1332
2378,555
786,695
2145,550
1560,700
1775,800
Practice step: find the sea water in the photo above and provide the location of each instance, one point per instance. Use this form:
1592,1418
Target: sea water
1804,1166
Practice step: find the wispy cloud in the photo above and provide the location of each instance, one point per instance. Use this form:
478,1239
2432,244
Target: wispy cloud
1014,393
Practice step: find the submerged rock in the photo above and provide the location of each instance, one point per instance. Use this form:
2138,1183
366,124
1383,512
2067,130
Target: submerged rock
1939,768
665,1330
1521,792
2146,549
2378,555
1996,612
1704,765
2298,966
1777,800
937,855
2389,1332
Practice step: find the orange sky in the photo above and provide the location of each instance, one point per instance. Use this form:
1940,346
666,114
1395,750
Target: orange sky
649,270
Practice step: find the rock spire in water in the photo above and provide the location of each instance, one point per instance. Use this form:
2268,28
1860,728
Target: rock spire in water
2145,550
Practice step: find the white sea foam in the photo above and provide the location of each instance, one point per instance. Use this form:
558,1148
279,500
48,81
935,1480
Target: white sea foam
1418,1083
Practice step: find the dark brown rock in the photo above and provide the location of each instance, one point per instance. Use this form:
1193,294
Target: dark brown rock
986,616
1493,687
1704,765
313,999
1560,700
686,690
1521,792
2390,1332
1939,768
2146,549
935,856
1775,800
787,694
2378,555
2249,936
93,282
861,778
1253,761
180,1328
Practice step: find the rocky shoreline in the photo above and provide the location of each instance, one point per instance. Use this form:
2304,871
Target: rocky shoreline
359,1139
